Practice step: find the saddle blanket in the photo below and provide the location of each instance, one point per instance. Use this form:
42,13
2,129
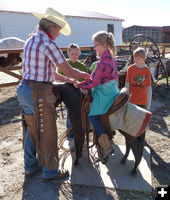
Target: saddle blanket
132,119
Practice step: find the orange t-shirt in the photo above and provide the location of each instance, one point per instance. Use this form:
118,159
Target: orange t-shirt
138,79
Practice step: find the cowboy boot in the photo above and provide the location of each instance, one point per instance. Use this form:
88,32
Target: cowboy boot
105,145
100,154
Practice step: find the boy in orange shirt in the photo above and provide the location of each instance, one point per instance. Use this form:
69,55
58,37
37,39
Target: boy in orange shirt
138,80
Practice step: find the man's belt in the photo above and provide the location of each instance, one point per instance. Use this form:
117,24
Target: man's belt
40,82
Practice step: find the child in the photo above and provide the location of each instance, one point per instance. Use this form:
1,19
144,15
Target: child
138,80
73,52
93,66
104,86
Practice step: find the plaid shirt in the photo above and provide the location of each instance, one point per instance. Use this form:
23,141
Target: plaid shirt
105,71
40,58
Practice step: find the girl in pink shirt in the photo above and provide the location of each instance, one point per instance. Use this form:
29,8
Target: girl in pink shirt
103,82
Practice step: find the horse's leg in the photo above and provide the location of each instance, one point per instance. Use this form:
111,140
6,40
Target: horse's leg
73,99
82,133
79,135
128,145
78,148
128,140
77,153
100,155
137,149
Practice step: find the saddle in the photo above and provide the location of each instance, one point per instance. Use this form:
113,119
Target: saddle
121,101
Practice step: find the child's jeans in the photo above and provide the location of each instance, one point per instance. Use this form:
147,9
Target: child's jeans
95,120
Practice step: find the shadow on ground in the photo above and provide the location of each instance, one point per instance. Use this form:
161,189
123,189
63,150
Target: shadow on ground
9,109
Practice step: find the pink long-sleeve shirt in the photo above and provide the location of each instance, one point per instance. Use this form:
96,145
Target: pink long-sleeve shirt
105,71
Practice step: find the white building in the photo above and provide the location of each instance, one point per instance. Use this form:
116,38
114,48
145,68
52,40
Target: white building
83,24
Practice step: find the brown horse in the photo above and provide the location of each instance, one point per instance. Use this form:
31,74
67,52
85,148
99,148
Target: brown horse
12,58
73,98
92,57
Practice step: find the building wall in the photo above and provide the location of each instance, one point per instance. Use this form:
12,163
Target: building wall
166,37
130,32
16,25
13,24
83,29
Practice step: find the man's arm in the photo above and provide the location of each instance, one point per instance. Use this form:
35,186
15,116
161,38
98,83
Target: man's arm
62,78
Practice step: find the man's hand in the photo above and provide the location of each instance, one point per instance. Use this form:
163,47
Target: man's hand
75,84
86,76
70,80
84,91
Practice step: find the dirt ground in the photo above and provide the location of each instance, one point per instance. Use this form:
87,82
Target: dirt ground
13,184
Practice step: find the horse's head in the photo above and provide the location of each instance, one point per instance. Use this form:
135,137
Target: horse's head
68,94
11,59
92,57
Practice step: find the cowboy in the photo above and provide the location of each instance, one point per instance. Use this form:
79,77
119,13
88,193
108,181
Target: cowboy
41,57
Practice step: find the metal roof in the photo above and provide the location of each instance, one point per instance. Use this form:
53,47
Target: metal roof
90,14
77,13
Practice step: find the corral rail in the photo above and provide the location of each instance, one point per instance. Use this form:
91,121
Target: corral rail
9,69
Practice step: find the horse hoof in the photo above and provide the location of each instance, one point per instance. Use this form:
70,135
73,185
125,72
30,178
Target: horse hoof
72,149
123,161
76,163
104,161
134,172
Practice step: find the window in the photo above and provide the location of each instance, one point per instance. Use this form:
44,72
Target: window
110,28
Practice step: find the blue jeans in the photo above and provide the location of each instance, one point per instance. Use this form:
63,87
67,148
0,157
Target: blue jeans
94,119
24,93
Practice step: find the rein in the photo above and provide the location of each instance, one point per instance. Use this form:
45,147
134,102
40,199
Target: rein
85,122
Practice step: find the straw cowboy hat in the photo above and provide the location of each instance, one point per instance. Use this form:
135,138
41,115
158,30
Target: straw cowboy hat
57,18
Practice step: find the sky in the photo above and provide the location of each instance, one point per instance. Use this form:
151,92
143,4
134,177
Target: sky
133,12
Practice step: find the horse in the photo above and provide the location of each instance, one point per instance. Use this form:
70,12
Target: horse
73,98
92,57
11,58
